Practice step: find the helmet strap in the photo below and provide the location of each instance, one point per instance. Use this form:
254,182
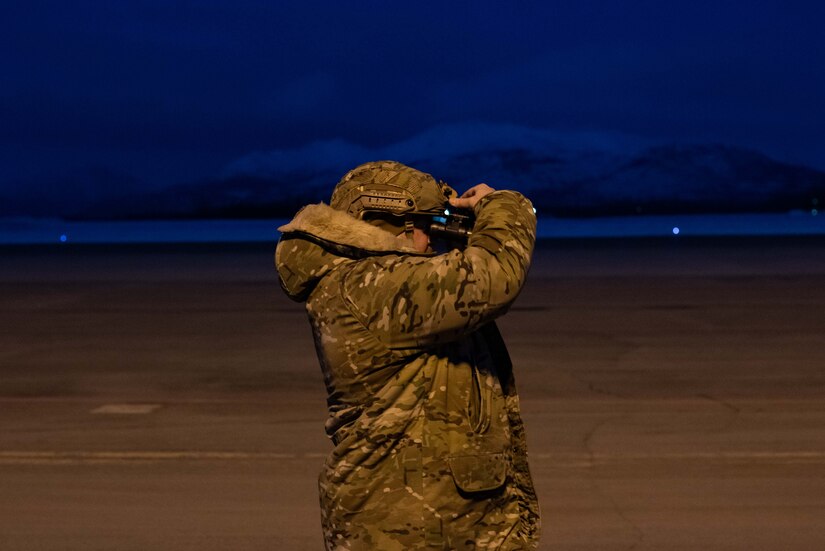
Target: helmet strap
409,225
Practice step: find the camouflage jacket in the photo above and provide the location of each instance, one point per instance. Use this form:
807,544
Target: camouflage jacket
429,444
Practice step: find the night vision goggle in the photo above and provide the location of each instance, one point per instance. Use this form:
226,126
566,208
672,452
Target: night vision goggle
454,224
446,222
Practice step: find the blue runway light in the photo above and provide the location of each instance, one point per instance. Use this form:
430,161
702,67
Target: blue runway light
676,231
64,238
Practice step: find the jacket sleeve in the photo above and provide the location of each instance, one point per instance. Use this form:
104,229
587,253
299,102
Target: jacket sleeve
414,302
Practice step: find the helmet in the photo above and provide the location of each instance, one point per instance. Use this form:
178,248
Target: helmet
390,194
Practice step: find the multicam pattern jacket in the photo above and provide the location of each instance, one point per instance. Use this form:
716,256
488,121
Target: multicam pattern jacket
429,444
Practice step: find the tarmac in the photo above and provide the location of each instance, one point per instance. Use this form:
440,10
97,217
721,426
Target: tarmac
167,397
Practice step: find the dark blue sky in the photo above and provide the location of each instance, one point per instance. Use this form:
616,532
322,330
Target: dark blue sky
169,92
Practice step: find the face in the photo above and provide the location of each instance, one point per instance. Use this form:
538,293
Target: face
421,240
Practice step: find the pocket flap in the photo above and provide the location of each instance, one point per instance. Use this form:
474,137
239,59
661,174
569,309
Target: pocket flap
478,473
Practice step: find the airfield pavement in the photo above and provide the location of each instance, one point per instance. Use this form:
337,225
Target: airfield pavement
167,397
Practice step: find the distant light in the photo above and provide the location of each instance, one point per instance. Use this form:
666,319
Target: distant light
676,231
63,238
814,212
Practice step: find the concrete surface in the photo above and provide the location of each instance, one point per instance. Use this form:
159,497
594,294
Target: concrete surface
168,397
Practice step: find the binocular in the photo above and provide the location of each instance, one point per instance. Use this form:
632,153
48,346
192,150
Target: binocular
454,224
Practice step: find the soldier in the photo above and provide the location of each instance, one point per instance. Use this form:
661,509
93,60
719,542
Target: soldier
423,412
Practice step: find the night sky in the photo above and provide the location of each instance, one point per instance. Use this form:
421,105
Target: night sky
171,92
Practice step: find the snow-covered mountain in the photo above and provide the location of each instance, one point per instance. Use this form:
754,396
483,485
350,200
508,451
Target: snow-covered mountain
564,173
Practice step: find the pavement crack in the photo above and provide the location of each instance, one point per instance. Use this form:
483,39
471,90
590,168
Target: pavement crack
588,437
597,390
721,402
587,442
728,406
637,531
592,386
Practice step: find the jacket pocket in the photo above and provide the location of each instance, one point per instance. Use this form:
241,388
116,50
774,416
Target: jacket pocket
480,404
478,473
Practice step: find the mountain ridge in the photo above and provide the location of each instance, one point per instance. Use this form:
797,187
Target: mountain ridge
579,174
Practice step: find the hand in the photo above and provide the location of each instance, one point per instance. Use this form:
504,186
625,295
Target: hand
471,197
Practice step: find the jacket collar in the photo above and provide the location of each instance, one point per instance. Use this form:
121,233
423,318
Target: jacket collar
339,229
321,238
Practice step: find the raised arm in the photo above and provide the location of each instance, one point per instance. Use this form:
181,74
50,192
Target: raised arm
410,302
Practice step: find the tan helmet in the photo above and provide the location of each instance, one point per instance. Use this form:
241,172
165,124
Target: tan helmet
390,194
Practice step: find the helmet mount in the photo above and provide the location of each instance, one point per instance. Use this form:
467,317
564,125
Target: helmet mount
390,194
393,196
